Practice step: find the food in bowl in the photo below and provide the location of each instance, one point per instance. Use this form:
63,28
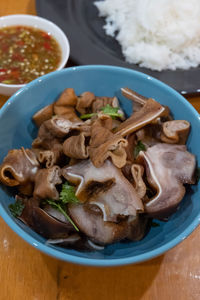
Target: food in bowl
156,34
14,77
26,53
93,177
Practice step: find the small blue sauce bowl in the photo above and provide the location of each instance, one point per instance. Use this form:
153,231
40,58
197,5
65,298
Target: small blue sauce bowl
17,129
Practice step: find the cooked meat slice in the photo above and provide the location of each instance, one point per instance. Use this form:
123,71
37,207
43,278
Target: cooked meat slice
94,227
105,186
175,132
19,167
76,146
104,144
168,167
43,223
43,114
45,183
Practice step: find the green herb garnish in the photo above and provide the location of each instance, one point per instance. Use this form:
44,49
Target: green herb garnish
16,208
67,195
88,116
59,206
108,110
139,147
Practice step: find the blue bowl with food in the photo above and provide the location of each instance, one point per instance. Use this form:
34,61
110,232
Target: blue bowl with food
99,165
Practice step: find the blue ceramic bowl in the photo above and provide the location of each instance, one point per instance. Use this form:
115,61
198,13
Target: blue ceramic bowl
17,129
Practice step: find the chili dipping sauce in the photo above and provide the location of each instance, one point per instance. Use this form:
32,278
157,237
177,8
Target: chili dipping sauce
26,53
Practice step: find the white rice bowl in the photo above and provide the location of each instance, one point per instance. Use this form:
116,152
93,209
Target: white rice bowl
156,34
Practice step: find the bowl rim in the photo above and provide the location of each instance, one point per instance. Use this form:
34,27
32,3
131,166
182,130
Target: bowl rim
65,56
98,261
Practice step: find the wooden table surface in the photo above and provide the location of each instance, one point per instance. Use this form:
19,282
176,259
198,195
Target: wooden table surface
25,273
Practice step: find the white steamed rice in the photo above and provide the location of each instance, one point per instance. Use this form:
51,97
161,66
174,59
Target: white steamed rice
156,34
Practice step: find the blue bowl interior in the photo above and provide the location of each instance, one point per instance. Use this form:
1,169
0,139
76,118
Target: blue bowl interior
17,129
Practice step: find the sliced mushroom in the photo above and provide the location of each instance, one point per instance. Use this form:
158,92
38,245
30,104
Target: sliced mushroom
168,167
45,183
19,167
175,131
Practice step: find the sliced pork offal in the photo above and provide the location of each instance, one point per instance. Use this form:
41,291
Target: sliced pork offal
106,187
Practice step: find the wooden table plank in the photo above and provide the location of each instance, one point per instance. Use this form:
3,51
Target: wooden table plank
25,273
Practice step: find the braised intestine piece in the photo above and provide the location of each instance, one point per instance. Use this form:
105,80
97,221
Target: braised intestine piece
49,158
76,146
88,103
19,167
138,182
57,127
65,105
168,167
105,187
43,114
84,102
45,183
175,131
131,143
104,144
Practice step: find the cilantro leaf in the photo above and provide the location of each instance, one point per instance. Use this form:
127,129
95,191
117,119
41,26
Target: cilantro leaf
111,111
67,194
16,208
87,116
139,147
108,110
59,206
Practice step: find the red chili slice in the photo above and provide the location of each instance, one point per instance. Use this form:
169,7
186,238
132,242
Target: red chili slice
47,46
4,47
3,77
45,35
20,43
3,70
18,57
15,73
